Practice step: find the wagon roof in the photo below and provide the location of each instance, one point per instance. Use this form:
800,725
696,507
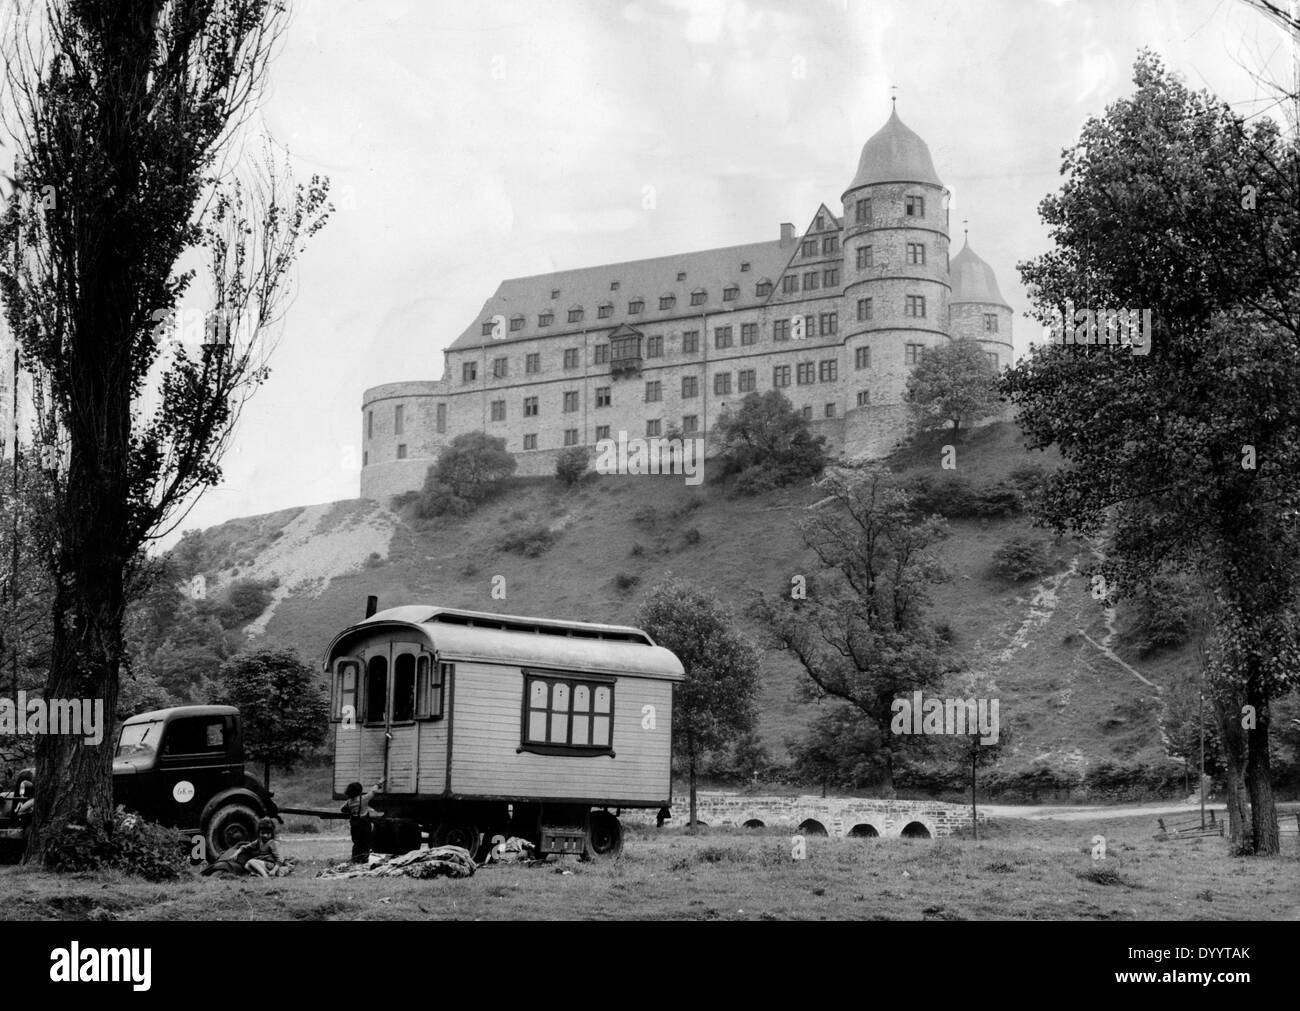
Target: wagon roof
540,642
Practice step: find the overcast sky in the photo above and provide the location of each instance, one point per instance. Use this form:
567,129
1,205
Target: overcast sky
469,142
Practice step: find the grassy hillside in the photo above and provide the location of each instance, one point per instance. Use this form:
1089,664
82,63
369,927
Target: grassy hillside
1069,705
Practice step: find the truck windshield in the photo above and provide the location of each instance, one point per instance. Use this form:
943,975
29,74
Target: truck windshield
139,740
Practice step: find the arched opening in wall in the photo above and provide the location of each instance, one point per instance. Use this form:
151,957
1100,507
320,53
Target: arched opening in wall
863,832
915,830
754,823
812,827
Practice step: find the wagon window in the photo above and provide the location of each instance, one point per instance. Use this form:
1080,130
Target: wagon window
345,692
429,680
404,688
376,689
567,716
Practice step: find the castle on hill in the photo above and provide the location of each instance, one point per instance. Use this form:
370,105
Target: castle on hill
834,317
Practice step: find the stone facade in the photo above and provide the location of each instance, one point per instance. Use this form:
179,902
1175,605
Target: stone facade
835,317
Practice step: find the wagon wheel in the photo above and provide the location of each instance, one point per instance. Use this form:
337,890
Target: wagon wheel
459,833
604,836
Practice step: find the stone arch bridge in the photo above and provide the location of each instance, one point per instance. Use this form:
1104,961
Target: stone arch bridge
812,815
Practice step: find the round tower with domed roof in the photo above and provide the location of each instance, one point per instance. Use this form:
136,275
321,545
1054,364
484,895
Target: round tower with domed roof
896,286
976,309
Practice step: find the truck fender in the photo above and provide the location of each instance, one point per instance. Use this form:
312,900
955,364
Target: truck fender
234,793
269,809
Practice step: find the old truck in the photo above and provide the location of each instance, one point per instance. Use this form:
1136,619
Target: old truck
182,767
480,724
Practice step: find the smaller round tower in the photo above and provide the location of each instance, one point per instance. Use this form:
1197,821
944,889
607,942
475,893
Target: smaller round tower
976,308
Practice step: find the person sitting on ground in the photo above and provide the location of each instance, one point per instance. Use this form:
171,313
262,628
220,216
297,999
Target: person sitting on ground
357,808
264,858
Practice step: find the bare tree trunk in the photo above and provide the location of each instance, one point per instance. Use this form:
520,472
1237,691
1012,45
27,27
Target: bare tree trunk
1234,760
690,775
1263,810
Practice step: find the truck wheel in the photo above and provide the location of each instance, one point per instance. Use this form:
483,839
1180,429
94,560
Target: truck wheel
229,826
604,836
459,833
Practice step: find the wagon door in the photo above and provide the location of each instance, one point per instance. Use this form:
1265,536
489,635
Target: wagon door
402,729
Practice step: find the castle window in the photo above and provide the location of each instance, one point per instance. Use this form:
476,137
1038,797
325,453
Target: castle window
500,368
654,346
635,306
442,417
828,370
748,333
789,284
604,311
690,387
990,322
722,382
516,323
570,358
691,342
604,396
498,410
830,410
613,286
487,328
699,296
821,222
546,319
864,257
810,280
667,301
530,441
602,432
914,207
681,275
730,293
831,277
830,323
690,424
555,293
864,398
781,375
744,267
807,412
763,289
992,356
810,247
780,329
916,253
370,424
365,458
830,244
862,358
864,309
912,353
805,373
653,427
722,337
469,372
575,315
531,407
915,306
570,436
401,451
654,390
862,211
810,326
746,381
601,354
570,401
533,362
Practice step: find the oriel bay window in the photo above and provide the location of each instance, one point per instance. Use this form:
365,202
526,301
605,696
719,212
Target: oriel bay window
567,715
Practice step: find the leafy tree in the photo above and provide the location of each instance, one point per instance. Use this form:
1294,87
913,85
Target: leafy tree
842,748
1190,453
717,701
1185,717
129,118
285,711
473,466
860,635
952,383
768,444
571,465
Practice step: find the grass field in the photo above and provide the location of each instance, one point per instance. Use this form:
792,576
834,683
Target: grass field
1021,870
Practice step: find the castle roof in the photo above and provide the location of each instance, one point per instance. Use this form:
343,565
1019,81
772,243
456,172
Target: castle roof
973,280
710,271
895,154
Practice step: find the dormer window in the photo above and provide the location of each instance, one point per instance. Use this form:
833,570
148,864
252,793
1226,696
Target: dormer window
546,319
516,323
576,314
555,293
605,311
635,306
730,293
613,286
667,301
821,222
487,328
744,268
699,296
763,288
681,275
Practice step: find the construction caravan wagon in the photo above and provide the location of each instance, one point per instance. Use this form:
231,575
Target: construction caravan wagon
483,724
